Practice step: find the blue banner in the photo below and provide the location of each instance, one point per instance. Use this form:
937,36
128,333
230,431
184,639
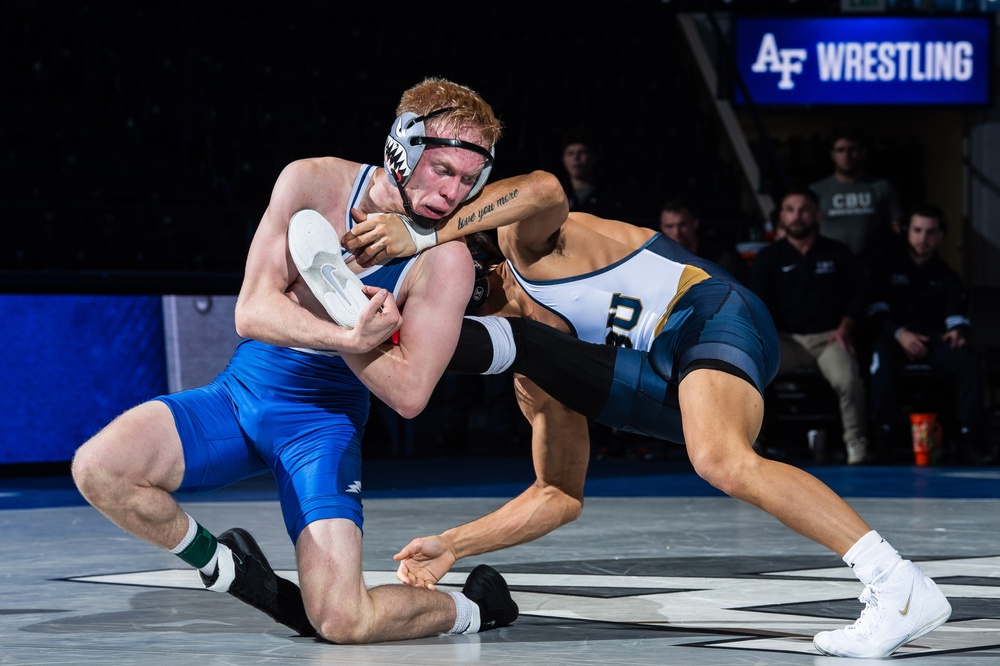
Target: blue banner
869,60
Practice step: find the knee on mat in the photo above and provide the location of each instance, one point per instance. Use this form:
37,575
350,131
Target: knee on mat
335,622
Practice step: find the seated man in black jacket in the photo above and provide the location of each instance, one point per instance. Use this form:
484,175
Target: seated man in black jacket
811,285
917,305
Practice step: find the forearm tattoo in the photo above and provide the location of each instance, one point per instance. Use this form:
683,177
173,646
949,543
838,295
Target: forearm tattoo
476,216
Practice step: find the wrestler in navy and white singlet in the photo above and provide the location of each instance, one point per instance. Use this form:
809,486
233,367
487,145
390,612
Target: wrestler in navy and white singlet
658,314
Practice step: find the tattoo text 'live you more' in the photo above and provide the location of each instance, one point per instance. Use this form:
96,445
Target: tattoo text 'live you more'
488,208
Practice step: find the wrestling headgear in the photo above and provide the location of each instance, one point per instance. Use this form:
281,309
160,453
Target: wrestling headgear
480,288
405,144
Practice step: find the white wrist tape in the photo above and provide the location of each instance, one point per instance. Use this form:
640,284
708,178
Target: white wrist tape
422,238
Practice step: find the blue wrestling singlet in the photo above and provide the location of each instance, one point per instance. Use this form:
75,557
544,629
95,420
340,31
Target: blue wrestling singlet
298,413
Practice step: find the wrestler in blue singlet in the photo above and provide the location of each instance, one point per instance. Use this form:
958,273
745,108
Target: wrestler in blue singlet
299,413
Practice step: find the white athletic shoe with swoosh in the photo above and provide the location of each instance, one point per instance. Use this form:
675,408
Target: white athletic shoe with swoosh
315,249
901,605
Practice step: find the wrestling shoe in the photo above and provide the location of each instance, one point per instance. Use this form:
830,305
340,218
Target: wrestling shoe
315,249
486,588
901,605
255,583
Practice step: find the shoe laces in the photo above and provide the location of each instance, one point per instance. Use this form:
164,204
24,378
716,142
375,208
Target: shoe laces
869,597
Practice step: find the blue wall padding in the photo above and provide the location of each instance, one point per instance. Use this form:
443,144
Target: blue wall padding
70,364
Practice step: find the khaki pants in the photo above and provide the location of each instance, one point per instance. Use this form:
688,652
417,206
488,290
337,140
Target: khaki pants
838,367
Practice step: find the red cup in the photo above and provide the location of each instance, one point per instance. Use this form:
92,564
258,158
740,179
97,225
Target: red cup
926,432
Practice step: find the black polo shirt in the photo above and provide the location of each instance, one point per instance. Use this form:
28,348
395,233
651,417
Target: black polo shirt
808,293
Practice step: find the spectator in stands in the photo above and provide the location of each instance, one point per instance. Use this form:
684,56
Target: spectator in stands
811,286
587,190
858,209
918,308
679,222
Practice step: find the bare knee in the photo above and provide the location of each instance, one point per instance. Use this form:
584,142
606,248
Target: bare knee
137,450
336,622
339,611
94,478
336,630
103,480
725,469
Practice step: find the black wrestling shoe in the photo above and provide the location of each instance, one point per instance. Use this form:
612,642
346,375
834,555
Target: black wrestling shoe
486,588
256,583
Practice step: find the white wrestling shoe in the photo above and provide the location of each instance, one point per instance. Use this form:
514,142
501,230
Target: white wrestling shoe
315,250
901,605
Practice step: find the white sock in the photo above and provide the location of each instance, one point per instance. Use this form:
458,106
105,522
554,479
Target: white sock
466,615
502,338
188,538
209,568
870,557
228,570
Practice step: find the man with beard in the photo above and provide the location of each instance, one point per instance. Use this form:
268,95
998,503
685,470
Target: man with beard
811,286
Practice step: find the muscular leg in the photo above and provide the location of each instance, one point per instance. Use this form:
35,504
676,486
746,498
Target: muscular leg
576,373
722,415
722,412
128,470
340,606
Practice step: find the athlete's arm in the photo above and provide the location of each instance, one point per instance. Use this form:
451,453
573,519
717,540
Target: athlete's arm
267,308
535,203
437,291
560,448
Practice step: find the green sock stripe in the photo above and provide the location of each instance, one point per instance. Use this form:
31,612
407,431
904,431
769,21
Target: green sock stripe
201,549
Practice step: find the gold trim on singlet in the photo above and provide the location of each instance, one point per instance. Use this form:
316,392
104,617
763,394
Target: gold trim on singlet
690,276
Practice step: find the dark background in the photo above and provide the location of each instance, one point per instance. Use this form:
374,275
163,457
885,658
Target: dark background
146,137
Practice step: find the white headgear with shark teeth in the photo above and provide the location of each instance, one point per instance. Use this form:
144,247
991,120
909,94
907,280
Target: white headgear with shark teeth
405,144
